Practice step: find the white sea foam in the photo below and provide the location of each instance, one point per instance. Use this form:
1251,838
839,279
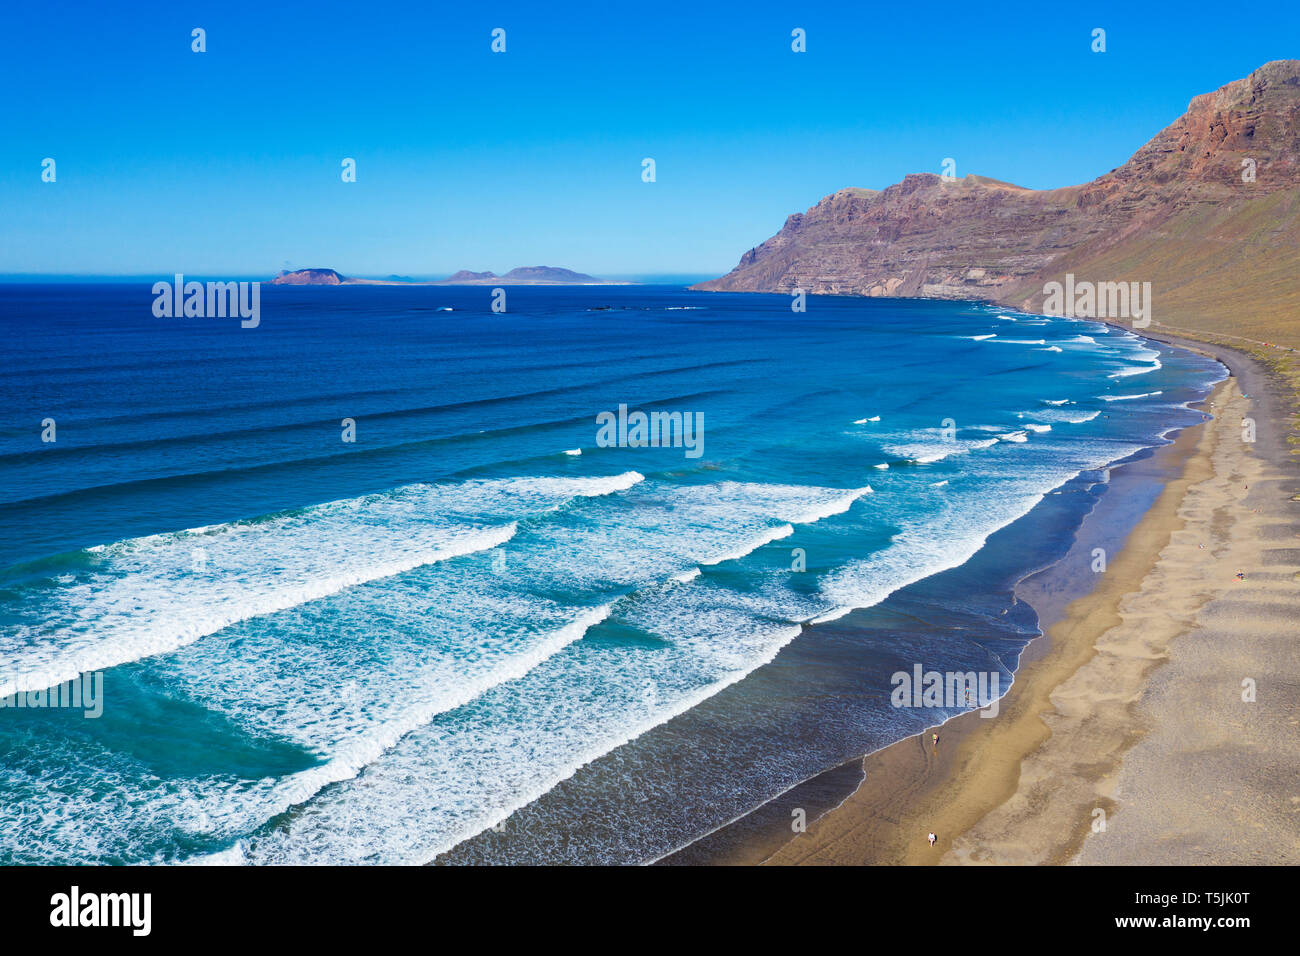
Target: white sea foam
147,596
151,609
1127,398
927,450
830,506
746,645
1065,415
1140,370
928,454
750,546
451,771
661,529
216,806
942,539
476,767
389,658
440,697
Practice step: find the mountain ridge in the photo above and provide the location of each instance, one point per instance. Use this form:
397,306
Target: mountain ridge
1181,213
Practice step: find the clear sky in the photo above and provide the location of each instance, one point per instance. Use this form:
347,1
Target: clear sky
228,162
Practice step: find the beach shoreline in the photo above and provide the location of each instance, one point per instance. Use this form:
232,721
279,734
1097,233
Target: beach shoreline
988,781
1174,742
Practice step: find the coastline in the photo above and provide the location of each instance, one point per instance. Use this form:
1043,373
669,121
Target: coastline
1023,787
880,786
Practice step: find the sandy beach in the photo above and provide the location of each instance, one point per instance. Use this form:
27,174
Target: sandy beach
1125,737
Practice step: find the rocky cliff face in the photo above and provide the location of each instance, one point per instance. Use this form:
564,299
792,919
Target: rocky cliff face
965,238
1179,214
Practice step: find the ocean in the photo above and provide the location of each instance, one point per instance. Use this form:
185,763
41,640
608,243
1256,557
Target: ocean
368,584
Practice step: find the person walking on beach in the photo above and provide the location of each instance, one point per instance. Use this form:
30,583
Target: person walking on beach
934,743
932,838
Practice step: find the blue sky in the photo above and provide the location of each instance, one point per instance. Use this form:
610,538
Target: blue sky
228,162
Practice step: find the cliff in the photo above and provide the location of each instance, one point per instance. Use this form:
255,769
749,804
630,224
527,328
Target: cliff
1178,214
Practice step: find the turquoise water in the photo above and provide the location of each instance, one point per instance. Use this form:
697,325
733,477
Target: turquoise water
476,616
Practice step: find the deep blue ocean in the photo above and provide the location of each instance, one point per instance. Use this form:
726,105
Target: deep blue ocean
471,633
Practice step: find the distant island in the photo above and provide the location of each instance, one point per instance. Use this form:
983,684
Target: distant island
524,275
527,275
310,277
